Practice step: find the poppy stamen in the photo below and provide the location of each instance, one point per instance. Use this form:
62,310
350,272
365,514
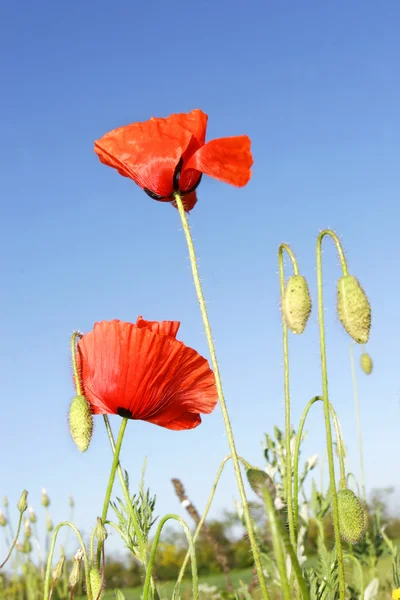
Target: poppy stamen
125,413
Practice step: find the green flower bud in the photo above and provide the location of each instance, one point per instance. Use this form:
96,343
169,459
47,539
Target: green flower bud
296,303
45,498
75,574
353,309
49,524
366,363
22,504
32,515
27,547
259,480
3,520
5,502
95,584
27,529
353,518
58,569
100,531
81,422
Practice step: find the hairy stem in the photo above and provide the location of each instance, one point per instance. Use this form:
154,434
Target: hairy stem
224,409
357,406
324,373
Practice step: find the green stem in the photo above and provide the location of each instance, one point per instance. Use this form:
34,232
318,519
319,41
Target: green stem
50,560
156,540
340,443
203,518
15,540
224,409
277,544
114,467
324,373
360,572
288,483
357,406
77,380
128,500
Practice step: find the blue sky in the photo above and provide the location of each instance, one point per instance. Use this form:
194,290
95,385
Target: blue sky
315,85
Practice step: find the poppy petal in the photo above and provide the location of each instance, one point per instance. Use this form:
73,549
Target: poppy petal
168,328
226,159
188,201
149,152
130,370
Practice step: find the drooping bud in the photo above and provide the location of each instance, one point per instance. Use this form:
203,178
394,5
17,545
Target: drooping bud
81,422
100,531
45,498
353,518
3,520
353,309
366,363
49,524
23,504
296,303
259,480
95,584
58,569
32,515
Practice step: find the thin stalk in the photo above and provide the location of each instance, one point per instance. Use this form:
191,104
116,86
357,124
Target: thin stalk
357,406
324,373
154,546
15,540
224,409
50,560
288,483
77,380
114,467
203,518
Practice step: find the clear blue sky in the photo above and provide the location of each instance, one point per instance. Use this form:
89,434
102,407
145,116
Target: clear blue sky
316,87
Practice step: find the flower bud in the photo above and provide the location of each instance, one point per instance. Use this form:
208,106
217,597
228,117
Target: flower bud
58,569
259,480
49,524
75,574
95,584
296,303
3,520
5,502
353,518
353,309
366,363
100,531
45,498
27,529
81,422
27,547
32,515
22,504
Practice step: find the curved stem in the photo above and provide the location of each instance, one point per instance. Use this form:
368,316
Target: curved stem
15,540
203,518
288,484
356,403
360,572
77,380
112,524
50,560
156,540
324,373
114,467
224,409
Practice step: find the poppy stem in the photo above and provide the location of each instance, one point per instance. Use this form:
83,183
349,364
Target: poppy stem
357,407
324,373
293,525
224,410
114,467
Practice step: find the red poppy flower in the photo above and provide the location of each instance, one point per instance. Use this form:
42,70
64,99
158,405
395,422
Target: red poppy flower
165,156
143,372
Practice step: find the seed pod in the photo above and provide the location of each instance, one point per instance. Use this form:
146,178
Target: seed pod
81,422
353,309
296,303
366,363
95,584
353,518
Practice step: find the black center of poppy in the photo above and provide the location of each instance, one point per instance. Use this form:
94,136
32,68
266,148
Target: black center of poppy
175,184
125,413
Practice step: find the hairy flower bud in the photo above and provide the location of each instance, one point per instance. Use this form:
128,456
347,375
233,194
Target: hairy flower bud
353,309
45,498
296,303
75,574
23,504
100,531
96,584
81,422
58,569
366,363
353,519
259,480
